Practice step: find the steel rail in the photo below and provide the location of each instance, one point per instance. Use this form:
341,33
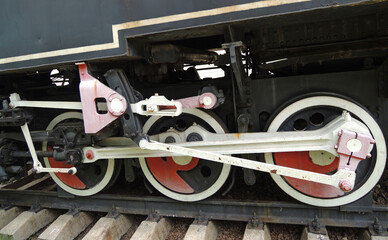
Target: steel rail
267,212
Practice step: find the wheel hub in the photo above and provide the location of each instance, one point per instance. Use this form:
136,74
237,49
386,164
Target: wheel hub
321,158
182,160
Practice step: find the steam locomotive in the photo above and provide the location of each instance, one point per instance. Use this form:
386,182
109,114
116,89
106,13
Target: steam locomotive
181,93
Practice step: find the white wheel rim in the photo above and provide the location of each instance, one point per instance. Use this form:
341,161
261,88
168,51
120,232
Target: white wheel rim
179,196
87,192
361,114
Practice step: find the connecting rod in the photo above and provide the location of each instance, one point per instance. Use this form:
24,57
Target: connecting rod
323,139
343,137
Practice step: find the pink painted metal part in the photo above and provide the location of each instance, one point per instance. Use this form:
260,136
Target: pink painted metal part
91,89
206,100
350,159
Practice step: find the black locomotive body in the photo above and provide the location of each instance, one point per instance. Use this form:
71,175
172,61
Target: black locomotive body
78,81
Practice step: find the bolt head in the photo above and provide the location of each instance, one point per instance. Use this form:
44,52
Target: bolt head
152,108
345,185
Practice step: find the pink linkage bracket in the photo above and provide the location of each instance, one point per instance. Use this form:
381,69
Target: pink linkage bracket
92,89
352,147
206,100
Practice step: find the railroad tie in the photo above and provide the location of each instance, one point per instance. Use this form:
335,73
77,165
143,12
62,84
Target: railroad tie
306,235
198,231
27,223
367,235
7,215
260,232
67,226
110,228
152,230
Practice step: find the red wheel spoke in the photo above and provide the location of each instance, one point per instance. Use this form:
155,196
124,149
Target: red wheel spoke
166,172
301,160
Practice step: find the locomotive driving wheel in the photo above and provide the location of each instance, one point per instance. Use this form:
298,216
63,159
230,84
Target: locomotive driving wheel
313,113
184,178
90,178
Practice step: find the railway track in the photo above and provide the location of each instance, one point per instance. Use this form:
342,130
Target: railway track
33,208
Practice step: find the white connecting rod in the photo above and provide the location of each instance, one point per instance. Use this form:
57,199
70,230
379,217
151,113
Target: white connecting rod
323,139
214,145
333,180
